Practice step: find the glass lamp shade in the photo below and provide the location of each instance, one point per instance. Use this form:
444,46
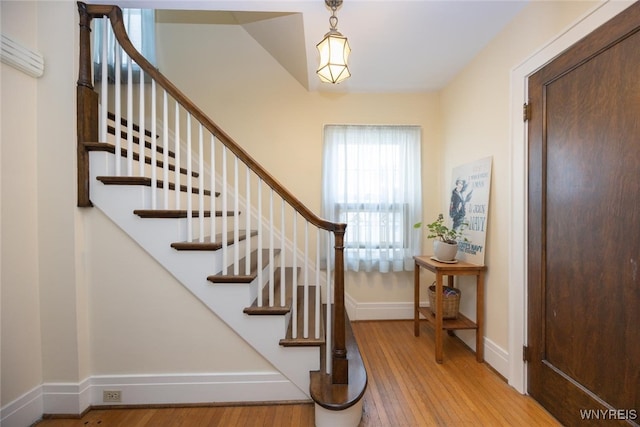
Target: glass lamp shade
334,51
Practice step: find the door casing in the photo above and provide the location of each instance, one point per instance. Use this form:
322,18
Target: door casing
518,182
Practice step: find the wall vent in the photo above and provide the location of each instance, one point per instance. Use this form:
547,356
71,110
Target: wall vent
16,55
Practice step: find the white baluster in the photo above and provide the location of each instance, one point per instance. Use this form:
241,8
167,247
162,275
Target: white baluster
305,312
165,148
189,182
176,144
236,218
271,253
225,226
154,152
329,324
317,305
294,289
141,131
129,118
283,284
212,184
247,248
259,254
118,112
104,99
200,182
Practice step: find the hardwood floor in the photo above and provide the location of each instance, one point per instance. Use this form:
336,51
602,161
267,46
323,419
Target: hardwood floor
406,388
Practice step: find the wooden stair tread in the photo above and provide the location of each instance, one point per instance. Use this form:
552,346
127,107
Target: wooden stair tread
221,277
111,116
265,309
111,148
300,340
341,396
175,213
136,140
211,245
143,180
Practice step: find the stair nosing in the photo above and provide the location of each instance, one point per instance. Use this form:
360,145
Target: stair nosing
111,148
176,213
208,245
146,181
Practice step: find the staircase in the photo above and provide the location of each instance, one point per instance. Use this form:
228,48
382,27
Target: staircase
191,197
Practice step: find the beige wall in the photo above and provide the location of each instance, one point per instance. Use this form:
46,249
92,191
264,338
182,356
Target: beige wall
145,322
476,114
21,351
65,314
55,326
249,95
63,285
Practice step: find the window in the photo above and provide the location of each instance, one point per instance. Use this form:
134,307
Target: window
140,25
371,182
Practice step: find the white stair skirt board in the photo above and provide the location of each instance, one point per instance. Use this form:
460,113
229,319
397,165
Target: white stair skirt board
349,417
191,269
24,411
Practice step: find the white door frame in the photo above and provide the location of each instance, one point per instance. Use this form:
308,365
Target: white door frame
518,191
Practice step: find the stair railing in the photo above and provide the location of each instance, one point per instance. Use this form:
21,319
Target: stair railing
204,155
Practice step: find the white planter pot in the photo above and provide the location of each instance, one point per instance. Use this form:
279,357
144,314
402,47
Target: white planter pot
444,251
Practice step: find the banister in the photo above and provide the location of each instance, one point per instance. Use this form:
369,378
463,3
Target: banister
87,113
115,16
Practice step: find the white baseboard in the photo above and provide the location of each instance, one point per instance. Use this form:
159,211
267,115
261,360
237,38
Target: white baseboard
74,399
23,411
197,388
67,398
378,310
497,357
494,355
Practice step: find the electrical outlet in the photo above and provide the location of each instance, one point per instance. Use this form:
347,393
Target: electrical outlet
111,396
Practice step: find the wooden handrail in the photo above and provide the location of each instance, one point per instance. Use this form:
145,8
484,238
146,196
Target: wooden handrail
115,16
87,132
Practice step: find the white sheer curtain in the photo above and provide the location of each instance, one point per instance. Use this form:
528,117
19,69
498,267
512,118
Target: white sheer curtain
371,181
140,25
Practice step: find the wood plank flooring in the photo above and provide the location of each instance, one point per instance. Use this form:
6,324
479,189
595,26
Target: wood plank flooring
406,388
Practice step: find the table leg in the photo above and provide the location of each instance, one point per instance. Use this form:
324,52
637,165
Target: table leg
416,300
438,331
450,283
480,318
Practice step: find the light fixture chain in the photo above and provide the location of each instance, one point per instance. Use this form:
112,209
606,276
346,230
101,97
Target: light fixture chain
333,21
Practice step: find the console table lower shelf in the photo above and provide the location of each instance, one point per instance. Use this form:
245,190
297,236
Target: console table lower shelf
462,322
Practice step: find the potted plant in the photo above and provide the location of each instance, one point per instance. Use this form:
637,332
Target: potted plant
445,245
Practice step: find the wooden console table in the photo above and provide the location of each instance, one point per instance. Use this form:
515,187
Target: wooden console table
444,269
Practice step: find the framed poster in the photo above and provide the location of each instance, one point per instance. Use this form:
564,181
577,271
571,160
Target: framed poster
469,207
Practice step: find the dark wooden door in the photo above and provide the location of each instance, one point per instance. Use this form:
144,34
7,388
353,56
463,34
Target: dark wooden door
584,229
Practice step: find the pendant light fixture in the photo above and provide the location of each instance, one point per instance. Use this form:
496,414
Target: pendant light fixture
334,50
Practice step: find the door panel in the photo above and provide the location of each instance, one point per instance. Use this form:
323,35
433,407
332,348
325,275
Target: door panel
584,227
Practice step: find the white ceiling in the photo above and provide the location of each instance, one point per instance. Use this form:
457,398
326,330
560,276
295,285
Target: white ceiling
397,45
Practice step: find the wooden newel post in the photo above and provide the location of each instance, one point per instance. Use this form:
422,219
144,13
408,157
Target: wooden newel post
87,107
84,72
340,364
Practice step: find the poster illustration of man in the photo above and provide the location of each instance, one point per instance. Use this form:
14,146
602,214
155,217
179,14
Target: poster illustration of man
459,198
469,207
